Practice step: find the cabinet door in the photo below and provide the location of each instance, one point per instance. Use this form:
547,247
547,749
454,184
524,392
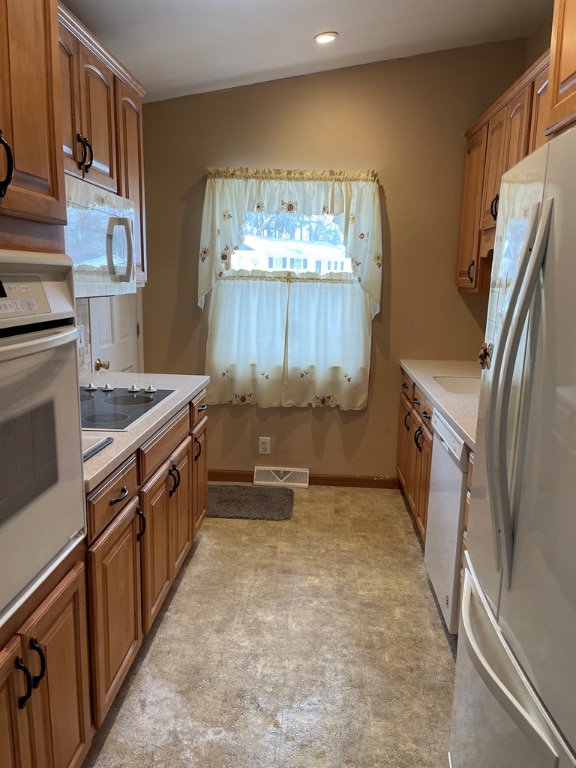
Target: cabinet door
30,111
156,544
411,488
115,606
200,474
517,128
74,151
131,161
496,148
467,266
540,110
403,440
181,504
423,488
98,120
14,738
56,641
562,86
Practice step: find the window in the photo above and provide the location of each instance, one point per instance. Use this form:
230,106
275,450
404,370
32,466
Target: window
291,262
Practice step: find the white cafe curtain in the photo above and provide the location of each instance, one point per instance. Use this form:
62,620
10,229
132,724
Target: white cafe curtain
281,338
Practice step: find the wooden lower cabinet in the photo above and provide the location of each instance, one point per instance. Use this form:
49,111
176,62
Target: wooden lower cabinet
404,439
424,463
15,749
115,605
200,474
44,683
414,456
166,504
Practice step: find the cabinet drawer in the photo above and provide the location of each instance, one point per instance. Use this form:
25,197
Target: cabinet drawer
407,386
199,407
160,446
104,503
423,406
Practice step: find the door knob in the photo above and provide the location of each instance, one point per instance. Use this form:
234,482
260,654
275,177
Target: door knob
101,364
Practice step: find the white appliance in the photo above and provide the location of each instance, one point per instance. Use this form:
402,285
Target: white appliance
42,513
445,522
514,697
99,240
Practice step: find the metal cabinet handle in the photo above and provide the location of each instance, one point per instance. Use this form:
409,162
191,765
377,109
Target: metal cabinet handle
404,385
470,268
494,207
417,437
123,495
19,664
142,517
88,165
406,417
199,444
35,646
426,415
203,407
415,401
82,141
175,475
5,183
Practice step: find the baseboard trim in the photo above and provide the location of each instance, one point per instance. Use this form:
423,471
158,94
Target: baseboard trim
347,481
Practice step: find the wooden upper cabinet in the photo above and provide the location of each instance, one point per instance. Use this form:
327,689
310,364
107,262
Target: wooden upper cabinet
131,162
88,112
98,120
562,104
540,110
467,273
495,166
73,148
517,127
30,112
503,136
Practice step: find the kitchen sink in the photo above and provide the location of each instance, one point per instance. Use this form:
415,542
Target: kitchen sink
459,385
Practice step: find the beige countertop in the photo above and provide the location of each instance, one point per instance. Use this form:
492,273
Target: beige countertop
461,411
125,442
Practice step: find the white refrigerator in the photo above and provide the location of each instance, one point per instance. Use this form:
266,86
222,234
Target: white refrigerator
515,686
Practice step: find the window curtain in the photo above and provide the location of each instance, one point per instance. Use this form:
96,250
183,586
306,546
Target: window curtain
284,338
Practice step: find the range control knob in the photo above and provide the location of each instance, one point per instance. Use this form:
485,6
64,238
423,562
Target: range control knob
150,388
91,387
108,388
133,388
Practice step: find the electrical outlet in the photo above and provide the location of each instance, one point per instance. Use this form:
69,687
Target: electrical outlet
263,445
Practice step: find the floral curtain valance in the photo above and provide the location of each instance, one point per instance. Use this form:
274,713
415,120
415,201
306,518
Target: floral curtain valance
352,198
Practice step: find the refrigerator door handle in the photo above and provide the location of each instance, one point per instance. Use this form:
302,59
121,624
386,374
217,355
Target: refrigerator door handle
493,462
525,722
530,283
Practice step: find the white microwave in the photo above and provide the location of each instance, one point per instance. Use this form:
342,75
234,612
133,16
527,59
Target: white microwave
99,240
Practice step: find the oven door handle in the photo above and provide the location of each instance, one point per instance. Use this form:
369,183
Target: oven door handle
33,346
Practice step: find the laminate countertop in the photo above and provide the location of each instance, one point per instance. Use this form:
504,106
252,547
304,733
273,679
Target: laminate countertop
459,410
125,442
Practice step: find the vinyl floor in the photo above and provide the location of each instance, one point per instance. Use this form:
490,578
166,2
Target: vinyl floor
310,643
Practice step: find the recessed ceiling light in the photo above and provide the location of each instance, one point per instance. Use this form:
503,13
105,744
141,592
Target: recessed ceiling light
326,37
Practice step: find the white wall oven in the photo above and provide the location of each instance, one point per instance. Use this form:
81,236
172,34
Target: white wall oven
42,513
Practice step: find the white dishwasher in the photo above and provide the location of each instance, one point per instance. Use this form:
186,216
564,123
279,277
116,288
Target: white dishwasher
443,548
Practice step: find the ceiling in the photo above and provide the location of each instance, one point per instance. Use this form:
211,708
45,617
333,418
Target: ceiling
180,47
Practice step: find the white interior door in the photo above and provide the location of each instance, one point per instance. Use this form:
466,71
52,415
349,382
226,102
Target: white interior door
114,330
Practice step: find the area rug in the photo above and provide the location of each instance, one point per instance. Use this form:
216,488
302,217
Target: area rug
250,502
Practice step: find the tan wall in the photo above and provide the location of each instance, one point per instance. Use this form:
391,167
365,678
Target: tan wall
404,118
539,41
